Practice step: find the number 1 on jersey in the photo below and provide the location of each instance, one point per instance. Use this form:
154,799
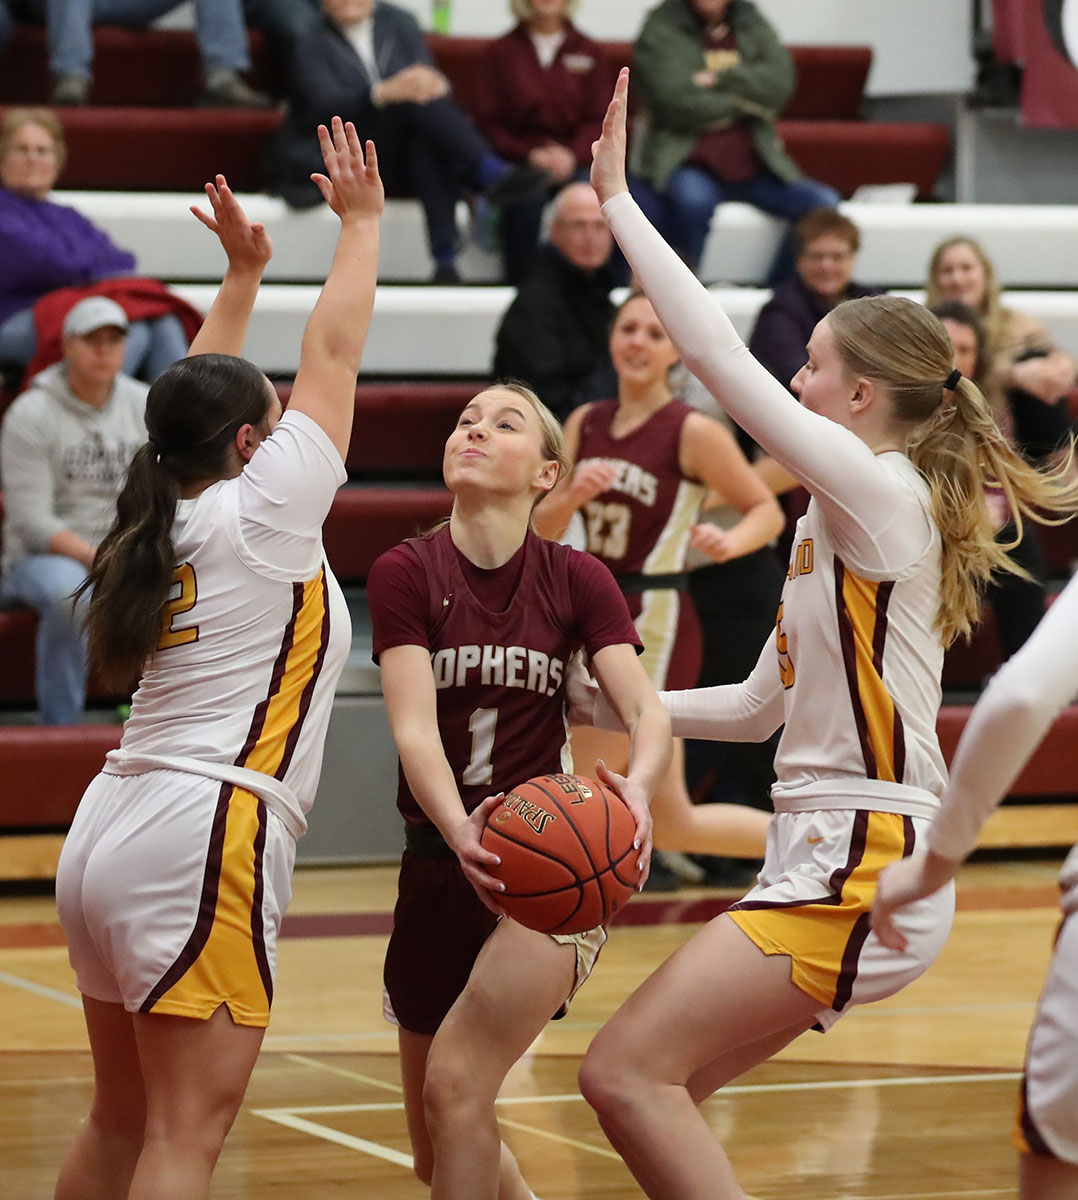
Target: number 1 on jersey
480,768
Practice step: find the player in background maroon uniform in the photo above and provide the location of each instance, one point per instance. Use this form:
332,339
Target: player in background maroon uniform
644,463
474,625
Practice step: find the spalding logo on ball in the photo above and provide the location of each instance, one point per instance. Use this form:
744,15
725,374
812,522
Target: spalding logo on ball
566,845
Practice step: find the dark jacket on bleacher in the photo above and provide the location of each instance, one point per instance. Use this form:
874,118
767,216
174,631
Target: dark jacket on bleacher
554,336
786,322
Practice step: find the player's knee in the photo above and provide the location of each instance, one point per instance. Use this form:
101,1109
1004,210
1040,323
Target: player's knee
603,1082
447,1091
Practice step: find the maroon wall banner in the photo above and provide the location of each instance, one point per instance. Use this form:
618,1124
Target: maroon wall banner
1042,35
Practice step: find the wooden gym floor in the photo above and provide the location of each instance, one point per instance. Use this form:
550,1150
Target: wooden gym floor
911,1099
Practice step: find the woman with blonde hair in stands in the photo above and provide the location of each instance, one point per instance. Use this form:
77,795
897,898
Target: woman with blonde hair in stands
887,568
1021,352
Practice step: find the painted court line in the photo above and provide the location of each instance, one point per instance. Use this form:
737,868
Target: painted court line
290,1116
382,1084
39,989
743,1089
375,1149
561,1139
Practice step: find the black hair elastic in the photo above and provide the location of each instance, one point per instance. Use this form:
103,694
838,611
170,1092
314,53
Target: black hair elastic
952,380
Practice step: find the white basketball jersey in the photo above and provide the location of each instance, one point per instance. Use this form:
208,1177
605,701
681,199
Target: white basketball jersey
866,645
256,630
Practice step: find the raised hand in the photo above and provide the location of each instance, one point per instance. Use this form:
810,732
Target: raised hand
351,185
591,478
608,153
245,242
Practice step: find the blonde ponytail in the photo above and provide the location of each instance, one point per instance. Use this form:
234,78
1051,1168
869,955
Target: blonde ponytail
960,450
955,443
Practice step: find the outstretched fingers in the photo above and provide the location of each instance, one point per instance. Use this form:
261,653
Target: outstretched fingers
608,153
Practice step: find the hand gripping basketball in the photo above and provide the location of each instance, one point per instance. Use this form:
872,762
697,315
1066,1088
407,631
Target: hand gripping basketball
567,856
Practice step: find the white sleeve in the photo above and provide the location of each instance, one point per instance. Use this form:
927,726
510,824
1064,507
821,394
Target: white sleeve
734,712
861,500
1007,725
292,478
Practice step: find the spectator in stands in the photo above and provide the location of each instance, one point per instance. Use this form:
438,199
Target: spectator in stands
555,336
713,77
65,445
219,27
1022,357
1036,429
368,61
45,246
546,87
285,22
825,245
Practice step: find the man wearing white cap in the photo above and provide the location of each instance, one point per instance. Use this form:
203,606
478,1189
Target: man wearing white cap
65,445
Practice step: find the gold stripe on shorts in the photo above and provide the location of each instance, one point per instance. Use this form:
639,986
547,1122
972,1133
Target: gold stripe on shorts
823,938
224,960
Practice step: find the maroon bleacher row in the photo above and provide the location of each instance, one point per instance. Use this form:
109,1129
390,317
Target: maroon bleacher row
141,133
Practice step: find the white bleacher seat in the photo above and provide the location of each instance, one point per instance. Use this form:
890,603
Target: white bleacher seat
415,330
1034,246
169,243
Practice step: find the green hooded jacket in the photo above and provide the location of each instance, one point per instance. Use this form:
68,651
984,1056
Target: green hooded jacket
674,111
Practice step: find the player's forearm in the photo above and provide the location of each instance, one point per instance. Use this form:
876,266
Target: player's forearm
224,330
431,781
554,512
759,526
337,327
650,747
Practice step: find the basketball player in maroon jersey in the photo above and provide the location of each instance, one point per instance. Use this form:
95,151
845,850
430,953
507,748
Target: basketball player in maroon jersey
644,464
474,625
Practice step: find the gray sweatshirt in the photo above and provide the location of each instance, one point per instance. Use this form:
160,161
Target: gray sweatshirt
62,463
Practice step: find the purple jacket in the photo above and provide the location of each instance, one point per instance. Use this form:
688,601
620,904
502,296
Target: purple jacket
786,322
44,246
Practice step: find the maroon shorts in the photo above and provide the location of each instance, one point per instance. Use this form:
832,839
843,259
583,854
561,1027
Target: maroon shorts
439,927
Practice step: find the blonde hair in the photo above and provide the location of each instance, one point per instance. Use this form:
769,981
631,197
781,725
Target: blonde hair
522,9
955,443
990,309
16,118
553,444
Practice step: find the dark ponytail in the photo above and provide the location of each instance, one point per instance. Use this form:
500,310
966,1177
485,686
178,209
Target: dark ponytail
193,411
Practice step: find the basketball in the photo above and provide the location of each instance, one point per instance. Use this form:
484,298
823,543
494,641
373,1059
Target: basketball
566,845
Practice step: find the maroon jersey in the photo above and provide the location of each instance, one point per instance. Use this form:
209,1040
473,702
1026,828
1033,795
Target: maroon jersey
641,525
499,665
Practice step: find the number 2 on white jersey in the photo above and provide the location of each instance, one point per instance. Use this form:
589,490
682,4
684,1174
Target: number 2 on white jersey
480,768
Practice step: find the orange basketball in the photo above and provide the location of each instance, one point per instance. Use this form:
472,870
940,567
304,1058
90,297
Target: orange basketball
566,845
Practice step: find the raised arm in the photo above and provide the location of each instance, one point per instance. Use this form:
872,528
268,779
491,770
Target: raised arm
858,495
1007,725
325,387
248,248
